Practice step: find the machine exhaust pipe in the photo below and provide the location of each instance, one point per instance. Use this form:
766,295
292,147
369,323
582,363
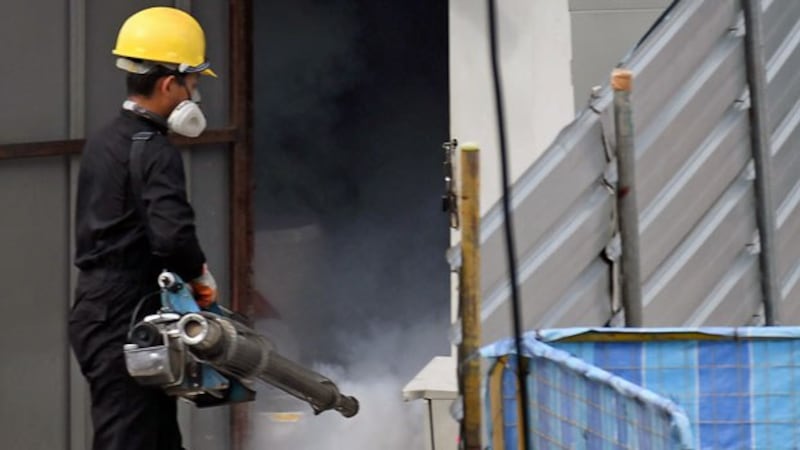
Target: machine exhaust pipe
232,347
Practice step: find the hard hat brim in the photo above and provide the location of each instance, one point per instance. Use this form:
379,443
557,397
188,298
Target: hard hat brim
142,67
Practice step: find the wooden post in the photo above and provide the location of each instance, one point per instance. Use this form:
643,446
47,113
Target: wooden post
470,297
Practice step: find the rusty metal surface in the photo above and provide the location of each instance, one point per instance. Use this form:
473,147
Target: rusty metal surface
75,146
241,203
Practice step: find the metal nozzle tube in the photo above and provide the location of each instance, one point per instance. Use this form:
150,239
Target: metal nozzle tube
234,348
320,392
200,333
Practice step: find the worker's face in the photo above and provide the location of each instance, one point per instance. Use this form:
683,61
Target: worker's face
176,89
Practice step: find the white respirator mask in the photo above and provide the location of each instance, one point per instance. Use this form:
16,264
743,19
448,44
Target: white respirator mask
187,119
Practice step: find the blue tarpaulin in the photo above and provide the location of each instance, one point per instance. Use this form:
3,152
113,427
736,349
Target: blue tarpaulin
737,386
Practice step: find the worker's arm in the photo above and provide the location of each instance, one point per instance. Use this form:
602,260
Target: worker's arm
170,217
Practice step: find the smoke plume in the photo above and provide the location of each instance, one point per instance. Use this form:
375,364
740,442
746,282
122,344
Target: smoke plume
350,111
374,373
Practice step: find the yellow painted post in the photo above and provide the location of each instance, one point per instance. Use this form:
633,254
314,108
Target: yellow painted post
470,297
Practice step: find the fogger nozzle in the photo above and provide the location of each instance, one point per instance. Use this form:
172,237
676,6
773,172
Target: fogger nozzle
235,348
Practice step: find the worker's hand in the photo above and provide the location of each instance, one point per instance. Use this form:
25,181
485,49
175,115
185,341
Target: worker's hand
204,288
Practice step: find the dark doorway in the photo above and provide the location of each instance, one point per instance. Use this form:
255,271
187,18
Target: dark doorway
351,108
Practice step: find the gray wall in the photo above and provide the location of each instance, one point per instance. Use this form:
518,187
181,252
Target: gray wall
694,179
603,31
34,244
61,83
35,104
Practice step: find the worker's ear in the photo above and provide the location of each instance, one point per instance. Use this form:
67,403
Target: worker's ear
166,84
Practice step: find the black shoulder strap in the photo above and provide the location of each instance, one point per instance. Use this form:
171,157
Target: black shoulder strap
136,167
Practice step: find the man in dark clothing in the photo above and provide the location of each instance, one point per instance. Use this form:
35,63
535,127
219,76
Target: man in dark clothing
134,220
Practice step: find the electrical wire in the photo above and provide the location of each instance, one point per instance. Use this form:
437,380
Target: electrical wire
135,315
522,370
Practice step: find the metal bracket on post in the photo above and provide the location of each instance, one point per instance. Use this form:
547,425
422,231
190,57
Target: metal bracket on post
612,252
449,198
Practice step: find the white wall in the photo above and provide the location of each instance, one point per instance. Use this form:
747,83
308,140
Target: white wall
535,54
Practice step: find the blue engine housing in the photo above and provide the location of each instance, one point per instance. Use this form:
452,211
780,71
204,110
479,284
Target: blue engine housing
169,364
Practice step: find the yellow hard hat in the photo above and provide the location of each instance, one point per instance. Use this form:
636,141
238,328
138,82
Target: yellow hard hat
162,35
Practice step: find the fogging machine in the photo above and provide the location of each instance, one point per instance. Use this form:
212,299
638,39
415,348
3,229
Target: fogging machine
213,358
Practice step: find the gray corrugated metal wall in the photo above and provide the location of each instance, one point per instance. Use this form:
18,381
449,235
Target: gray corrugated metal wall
695,183
60,83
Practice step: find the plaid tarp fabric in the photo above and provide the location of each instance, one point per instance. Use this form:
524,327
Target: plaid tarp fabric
737,386
575,405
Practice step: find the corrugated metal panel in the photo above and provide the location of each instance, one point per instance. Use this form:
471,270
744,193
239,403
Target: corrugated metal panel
571,171
695,181
588,300
783,77
673,53
693,189
786,158
791,294
684,280
789,233
566,171
778,22
783,92
736,297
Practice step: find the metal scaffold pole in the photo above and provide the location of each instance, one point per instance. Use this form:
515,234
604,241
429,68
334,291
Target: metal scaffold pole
762,160
470,297
621,82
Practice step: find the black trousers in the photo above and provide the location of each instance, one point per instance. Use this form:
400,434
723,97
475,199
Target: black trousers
125,415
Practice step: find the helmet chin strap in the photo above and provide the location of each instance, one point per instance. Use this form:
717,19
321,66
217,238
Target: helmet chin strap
137,109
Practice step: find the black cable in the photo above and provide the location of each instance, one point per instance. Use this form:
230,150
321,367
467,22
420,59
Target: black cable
522,370
136,311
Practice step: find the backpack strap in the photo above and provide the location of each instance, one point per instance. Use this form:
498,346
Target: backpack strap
136,167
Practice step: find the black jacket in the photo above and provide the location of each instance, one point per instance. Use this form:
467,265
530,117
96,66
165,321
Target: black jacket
110,232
